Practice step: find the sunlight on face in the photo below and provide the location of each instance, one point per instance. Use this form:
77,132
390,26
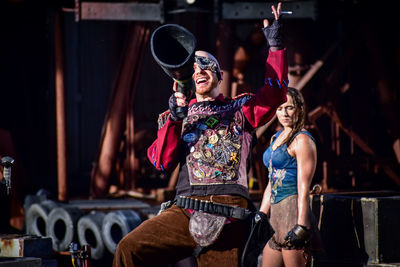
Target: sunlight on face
286,113
206,81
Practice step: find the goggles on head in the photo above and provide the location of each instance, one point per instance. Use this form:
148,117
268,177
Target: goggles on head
206,63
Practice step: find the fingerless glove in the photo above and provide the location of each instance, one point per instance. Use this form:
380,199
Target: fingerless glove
176,113
273,34
298,237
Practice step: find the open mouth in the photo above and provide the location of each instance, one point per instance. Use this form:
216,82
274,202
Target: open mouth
201,81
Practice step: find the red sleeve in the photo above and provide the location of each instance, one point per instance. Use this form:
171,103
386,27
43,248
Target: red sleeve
262,107
163,153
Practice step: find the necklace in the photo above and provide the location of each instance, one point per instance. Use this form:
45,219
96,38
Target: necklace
278,141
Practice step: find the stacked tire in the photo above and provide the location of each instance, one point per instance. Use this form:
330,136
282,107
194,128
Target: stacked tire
66,224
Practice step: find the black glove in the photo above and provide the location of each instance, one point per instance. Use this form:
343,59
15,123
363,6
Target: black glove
298,237
273,34
260,232
176,113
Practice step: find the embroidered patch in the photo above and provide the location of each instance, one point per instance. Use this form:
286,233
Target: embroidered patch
190,138
211,122
275,176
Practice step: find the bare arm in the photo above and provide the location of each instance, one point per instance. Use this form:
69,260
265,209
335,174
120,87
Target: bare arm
306,155
260,109
266,201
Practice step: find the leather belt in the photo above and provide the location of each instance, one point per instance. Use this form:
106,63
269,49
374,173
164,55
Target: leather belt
212,207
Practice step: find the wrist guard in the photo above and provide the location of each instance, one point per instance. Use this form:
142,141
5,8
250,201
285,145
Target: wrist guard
298,237
273,34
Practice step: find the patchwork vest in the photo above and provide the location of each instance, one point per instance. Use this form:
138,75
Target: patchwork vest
216,142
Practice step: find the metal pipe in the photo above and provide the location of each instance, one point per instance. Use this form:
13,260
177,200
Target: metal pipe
116,117
315,68
60,111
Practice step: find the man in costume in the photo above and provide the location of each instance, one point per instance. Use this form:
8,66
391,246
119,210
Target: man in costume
212,143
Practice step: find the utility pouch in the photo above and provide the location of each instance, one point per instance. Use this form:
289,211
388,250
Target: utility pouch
205,227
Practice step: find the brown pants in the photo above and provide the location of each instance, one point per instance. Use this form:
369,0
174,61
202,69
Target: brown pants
166,239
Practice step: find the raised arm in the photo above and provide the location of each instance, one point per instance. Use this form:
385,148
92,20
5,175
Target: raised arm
261,108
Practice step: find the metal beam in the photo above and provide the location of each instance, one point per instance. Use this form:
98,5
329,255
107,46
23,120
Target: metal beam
155,11
260,10
122,11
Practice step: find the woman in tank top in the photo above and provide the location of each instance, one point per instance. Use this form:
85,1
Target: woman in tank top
291,161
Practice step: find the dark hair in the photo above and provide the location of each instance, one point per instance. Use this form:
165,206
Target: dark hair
300,106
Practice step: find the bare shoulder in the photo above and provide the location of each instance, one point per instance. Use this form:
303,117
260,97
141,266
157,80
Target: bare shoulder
303,137
303,141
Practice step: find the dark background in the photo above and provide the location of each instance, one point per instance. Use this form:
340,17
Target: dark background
367,58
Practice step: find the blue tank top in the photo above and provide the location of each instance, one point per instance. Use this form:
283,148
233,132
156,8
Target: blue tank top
282,170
